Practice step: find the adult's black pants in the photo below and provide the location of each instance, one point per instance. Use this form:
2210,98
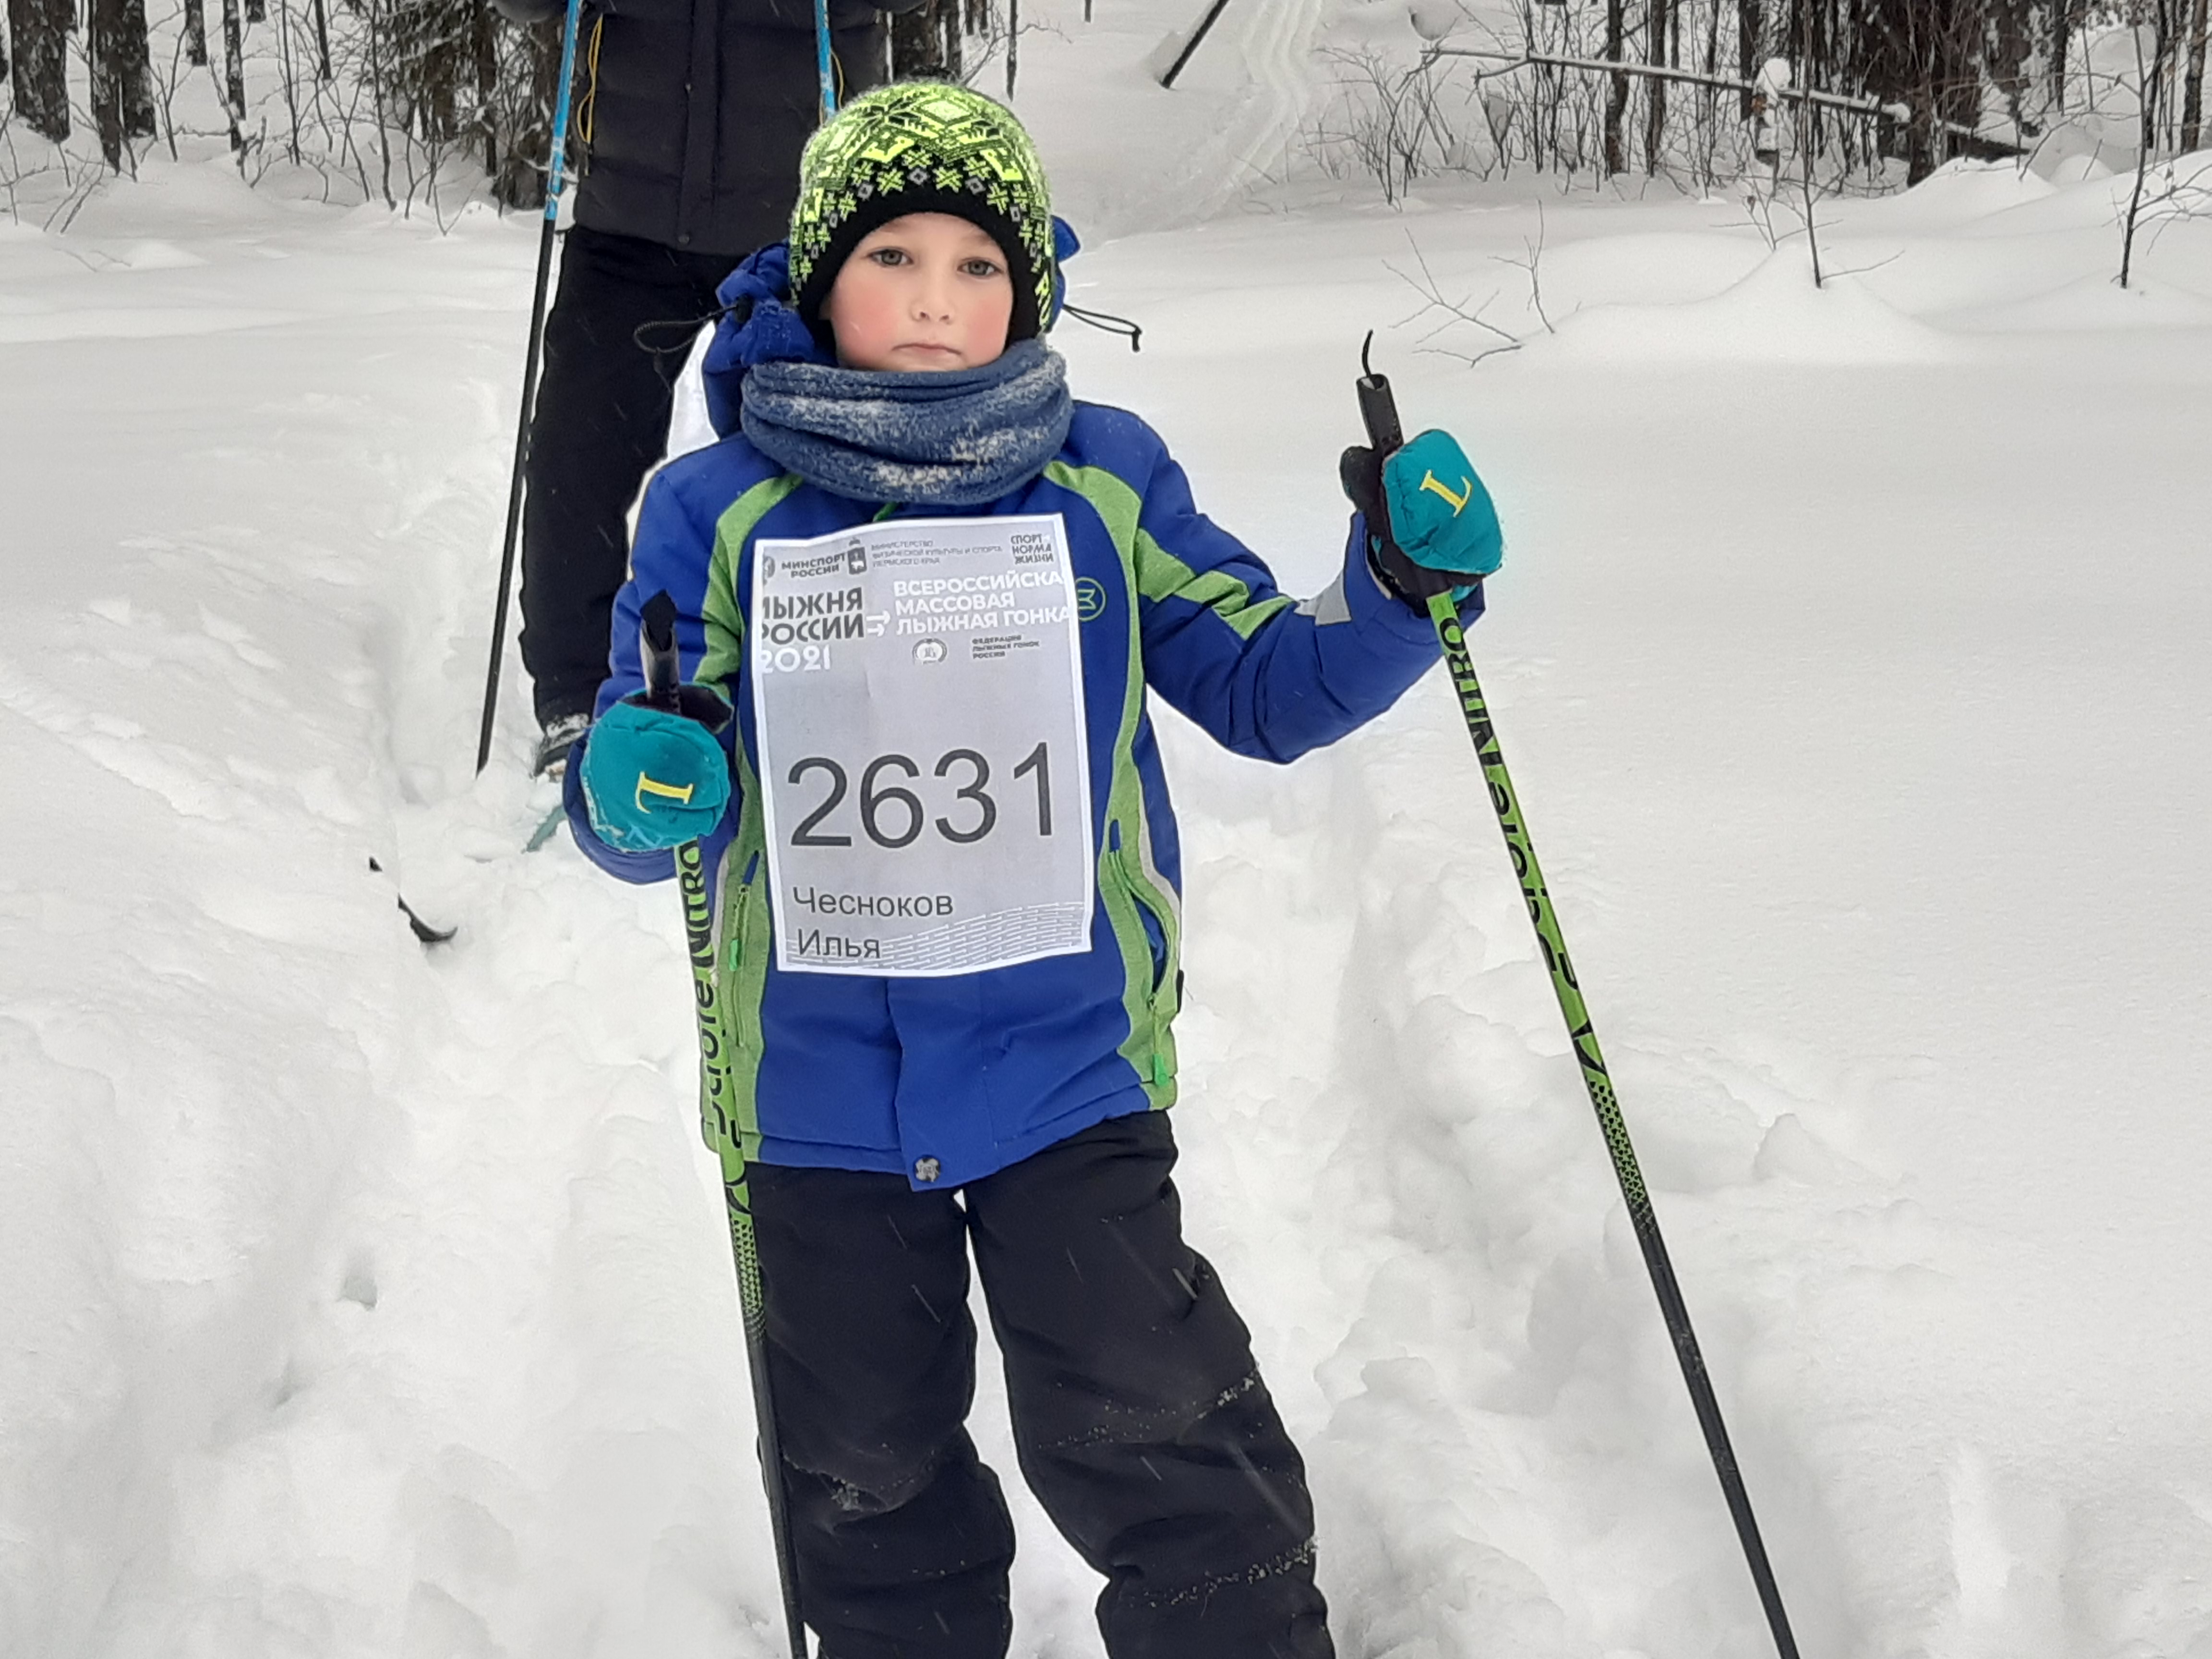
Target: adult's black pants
601,422
1141,1421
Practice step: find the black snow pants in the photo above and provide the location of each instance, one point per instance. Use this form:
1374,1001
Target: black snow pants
601,422
1141,1421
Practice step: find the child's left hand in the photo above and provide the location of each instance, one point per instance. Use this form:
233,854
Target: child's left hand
1430,524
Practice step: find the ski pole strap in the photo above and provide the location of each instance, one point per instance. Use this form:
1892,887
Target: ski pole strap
1106,322
556,161
1444,614
678,332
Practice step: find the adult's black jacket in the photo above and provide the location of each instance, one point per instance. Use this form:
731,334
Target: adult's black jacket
696,110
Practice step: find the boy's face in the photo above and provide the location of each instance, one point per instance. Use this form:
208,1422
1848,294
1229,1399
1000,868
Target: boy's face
926,292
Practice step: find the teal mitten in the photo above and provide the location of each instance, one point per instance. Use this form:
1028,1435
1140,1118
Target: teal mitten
1440,516
653,779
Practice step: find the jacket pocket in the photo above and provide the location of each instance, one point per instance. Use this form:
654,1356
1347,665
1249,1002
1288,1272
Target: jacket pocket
1161,926
739,961
731,1022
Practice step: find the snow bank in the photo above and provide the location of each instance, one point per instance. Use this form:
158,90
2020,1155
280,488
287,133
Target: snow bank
1776,314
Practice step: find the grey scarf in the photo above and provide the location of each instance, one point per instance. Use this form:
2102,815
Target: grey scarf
961,438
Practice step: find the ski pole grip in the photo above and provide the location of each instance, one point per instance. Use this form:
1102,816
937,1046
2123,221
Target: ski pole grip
1378,412
663,668
1378,409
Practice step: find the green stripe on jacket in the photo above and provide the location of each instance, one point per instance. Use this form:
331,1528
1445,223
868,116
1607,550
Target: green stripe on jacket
742,938
1161,575
1125,879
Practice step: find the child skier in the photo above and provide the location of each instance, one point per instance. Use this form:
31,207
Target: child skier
936,593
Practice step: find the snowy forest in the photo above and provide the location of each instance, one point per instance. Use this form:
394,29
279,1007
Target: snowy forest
386,95
1841,374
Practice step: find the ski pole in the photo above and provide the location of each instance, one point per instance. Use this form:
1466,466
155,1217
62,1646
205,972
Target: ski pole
717,1090
822,59
1379,413
1205,27
555,178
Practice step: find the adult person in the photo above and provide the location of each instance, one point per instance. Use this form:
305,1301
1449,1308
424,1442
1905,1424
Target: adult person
690,120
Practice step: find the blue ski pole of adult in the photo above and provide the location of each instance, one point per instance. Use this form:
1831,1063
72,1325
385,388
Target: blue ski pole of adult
556,178
824,63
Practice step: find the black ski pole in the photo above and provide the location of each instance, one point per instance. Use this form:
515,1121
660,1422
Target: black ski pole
555,178
1378,411
663,689
1197,35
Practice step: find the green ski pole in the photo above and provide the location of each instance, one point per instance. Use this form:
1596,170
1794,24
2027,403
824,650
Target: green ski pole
1378,411
663,689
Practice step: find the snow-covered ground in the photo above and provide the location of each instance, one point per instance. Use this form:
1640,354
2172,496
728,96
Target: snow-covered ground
362,1300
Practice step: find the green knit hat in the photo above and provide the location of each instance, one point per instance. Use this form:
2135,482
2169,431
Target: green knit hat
922,147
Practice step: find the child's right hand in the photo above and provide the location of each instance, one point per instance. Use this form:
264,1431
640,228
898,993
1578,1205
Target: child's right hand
652,780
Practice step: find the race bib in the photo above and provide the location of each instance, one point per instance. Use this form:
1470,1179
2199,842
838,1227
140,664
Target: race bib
918,702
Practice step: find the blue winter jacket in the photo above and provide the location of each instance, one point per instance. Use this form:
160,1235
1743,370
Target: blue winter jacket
947,1079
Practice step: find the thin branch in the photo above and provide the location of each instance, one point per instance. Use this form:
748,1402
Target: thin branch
1455,312
1532,264
1861,270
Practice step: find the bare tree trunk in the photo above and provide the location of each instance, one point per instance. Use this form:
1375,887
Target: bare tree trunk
122,97
1920,138
2192,91
1013,42
40,29
1806,138
2147,83
1616,97
196,33
379,82
1747,24
257,11
290,81
1656,30
487,55
925,42
322,42
2065,18
138,85
2149,73
2160,130
1708,116
530,125
233,74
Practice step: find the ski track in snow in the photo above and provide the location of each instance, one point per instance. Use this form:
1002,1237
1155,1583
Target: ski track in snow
363,1300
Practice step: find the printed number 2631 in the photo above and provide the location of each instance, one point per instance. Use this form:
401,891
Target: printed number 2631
894,816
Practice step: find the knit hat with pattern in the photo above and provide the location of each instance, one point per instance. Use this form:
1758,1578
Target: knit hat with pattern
923,147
